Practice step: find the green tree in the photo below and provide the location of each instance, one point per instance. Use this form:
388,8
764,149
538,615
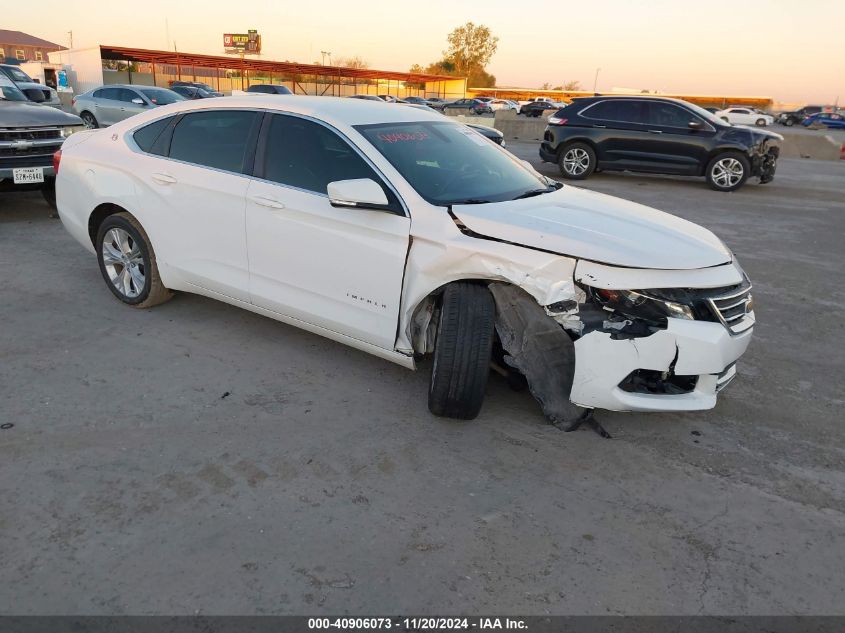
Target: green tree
353,62
470,48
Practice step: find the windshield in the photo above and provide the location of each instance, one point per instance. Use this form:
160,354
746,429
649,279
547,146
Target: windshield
451,164
160,96
17,74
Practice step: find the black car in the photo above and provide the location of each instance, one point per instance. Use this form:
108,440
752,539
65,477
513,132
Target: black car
418,101
196,84
797,116
467,106
192,92
538,108
659,136
270,89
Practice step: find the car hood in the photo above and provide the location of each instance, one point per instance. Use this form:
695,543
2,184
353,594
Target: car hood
26,113
597,227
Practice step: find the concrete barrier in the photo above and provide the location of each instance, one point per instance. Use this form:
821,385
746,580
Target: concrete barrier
802,145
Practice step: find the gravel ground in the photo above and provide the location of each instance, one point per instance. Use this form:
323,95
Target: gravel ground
197,458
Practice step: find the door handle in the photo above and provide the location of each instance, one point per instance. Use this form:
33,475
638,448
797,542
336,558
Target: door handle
264,201
655,131
163,179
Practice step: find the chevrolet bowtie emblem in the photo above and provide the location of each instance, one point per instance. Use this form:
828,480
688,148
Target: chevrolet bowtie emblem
21,145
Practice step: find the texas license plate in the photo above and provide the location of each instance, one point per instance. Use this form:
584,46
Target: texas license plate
27,175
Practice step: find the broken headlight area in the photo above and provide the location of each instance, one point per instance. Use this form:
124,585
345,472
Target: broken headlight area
627,313
658,382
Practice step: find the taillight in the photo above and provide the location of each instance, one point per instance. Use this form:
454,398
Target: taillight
553,120
73,101
57,158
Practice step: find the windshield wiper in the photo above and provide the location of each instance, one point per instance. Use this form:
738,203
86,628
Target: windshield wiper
535,192
471,201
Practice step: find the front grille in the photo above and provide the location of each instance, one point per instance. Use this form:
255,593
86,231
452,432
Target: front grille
733,309
30,134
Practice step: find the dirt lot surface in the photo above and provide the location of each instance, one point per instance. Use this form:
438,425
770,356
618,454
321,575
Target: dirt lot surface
196,458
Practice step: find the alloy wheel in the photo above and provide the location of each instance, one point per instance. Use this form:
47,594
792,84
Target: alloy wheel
124,262
576,161
727,172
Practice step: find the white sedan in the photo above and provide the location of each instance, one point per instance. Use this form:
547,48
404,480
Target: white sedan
404,234
745,116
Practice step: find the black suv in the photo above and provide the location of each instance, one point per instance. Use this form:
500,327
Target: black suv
659,136
796,116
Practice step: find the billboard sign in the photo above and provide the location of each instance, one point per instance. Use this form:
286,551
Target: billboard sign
248,43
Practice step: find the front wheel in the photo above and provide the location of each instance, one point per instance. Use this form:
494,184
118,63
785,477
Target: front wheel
577,161
462,351
128,262
760,122
727,171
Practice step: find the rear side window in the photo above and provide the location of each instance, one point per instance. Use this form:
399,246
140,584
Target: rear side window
623,111
147,136
217,139
110,93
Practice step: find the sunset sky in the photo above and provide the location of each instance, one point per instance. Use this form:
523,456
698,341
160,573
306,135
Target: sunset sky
790,51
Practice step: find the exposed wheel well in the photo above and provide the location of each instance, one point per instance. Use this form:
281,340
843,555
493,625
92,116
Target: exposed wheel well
98,215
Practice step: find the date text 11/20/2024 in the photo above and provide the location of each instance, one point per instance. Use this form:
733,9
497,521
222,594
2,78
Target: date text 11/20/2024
418,624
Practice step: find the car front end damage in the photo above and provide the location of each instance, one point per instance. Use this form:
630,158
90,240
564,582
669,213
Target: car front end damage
660,349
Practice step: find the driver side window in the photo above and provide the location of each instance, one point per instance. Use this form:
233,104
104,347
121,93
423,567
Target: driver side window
306,155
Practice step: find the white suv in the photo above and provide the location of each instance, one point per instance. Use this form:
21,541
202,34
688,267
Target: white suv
403,234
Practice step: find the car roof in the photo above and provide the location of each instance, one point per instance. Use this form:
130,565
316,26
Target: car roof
336,110
582,100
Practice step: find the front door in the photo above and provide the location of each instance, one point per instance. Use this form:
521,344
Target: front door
673,146
337,268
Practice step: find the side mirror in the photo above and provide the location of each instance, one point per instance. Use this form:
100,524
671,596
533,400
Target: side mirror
138,101
696,125
361,193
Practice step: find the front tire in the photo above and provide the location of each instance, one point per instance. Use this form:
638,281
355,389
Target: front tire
462,351
577,161
760,122
727,171
128,262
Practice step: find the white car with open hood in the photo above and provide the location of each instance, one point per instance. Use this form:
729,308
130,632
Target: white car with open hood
405,234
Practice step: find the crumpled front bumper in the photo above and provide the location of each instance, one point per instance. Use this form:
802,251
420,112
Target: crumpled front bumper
687,348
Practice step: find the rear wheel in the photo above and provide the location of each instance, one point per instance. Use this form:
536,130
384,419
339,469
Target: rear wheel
727,171
89,120
577,161
128,262
462,351
789,123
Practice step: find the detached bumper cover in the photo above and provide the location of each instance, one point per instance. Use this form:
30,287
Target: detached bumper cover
688,348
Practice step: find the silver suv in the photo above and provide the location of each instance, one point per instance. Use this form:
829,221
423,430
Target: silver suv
110,104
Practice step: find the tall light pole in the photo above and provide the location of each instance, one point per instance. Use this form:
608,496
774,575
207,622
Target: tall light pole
596,80
324,53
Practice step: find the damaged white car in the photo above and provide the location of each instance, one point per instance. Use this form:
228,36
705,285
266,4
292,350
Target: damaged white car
404,234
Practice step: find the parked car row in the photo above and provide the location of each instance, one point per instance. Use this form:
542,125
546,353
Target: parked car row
657,135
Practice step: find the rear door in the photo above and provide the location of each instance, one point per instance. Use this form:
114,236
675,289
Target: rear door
339,268
107,106
199,190
622,128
